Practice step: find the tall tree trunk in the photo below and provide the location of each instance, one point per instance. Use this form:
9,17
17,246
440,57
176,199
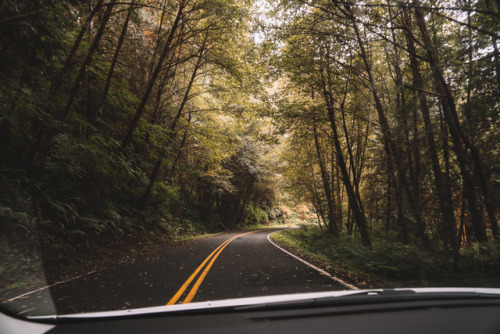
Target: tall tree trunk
388,208
356,207
317,205
332,224
158,37
156,115
160,91
88,60
390,146
45,133
496,57
107,85
352,160
340,190
468,102
173,125
457,136
180,149
76,45
441,186
496,54
166,50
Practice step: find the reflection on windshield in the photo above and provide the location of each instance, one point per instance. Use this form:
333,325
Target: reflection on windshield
157,152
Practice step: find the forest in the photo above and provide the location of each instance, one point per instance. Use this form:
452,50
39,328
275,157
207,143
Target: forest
154,119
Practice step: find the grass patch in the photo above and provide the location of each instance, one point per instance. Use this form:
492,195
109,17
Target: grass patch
392,264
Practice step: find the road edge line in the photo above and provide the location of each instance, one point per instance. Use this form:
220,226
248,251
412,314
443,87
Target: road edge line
321,271
46,287
10,300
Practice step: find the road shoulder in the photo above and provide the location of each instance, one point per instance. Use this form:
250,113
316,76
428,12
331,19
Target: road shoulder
321,264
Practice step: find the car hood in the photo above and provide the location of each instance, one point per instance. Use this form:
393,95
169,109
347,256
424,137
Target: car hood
264,301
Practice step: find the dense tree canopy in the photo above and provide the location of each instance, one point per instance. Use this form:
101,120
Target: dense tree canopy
392,108
121,117
170,116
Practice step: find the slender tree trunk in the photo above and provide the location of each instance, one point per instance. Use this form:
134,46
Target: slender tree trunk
361,150
352,161
349,221
107,85
76,45
156,114
186,204
496,54
390,146
332,224
158,37
497,60
45,133
468,102
180,149
317,204
88,60
160,90
340,191
457,136
388,209
398,198
355,206
442,188
173,125
154,76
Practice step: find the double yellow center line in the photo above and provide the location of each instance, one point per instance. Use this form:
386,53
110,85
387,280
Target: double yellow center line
212,257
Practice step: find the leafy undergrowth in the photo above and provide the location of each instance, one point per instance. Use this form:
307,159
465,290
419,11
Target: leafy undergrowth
392,264
19,270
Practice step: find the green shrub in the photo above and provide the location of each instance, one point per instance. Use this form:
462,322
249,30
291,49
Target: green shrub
254,216
396,264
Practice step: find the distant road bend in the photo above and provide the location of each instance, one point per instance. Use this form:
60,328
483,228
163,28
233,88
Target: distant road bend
229,265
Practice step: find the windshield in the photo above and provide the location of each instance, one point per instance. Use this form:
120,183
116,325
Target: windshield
165,152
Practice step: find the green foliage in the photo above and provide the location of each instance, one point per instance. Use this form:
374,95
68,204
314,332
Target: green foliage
481,260
364,108
69,188
19,267
255,216
395,264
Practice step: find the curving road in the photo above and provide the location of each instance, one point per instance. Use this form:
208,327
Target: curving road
230,265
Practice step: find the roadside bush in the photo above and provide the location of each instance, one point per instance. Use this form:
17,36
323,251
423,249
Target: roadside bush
396,264
255,216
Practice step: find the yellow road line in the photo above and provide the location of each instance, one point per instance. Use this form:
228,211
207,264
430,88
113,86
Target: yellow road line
196,286
184,286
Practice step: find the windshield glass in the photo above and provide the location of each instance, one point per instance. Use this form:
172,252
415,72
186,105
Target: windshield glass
164,152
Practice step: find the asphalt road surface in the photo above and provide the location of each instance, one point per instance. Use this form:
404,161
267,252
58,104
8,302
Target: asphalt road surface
229,265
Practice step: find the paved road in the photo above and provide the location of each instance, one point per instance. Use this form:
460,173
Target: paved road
241,264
